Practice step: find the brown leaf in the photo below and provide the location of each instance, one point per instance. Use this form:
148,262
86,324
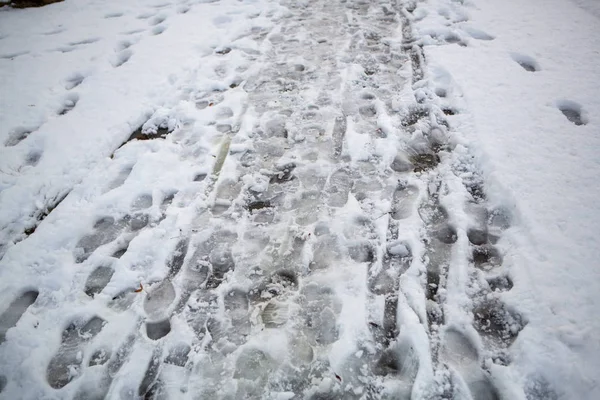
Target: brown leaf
140,289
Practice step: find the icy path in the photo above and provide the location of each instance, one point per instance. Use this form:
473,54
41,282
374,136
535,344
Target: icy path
302,222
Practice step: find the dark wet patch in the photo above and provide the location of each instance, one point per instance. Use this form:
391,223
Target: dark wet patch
501,283
424,162
476,191
486,257
449,111
222,261
3,383
446,234
362,252
15,311
338,135
527,66
33,158
97,280
200,177
414,116
477,236
492,319
158,330
223,50
258,205
99,357
441,92
284,174
159,133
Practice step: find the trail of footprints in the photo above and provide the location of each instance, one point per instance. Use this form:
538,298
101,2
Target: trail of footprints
281,249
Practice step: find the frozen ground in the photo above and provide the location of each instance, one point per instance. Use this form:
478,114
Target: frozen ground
300,200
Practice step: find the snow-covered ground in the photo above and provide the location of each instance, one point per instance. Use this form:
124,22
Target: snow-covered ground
285,199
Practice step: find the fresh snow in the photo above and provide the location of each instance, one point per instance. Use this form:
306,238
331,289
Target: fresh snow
278,199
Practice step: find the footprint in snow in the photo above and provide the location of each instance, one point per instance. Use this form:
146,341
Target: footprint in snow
461,354
157,20
157,30
526,62
69,103
17,135
122,57
113,15
74,80
15,311
573,111
12,56
66,363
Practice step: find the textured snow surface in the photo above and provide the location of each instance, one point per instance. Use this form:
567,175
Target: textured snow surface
264,199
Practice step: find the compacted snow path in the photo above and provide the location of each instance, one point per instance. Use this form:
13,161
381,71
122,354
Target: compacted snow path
246,199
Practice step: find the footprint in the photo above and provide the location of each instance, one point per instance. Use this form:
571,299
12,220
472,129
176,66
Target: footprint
478,34
123,45
69,103
15,310
496,323
157,20
403,201
133,31
159,298
17,135
149,380
572,111
98,279
183,9
12,56
159,329
32,158
54,31
157,30
460,353
122,57
106,229
146,15
113,15
84,41
74,80
526,62
486,257
176,261
142,202
66,363
338,188
402,363
121,177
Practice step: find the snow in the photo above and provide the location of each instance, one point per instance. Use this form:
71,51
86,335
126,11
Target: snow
284,200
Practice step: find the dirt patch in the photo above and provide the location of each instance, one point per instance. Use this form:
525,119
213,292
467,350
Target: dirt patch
32,3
